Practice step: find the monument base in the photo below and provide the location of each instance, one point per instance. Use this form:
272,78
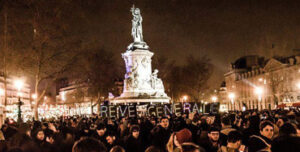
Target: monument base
138,100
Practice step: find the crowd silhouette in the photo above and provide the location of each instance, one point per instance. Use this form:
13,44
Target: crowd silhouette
249,131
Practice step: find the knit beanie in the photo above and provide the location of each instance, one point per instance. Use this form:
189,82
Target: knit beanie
184,135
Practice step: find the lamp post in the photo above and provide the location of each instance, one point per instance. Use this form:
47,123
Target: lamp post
2,108
214,98
19,84
231,96
185,98
258,91
298,85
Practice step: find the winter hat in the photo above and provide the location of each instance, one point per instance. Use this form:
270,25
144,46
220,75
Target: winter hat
184,135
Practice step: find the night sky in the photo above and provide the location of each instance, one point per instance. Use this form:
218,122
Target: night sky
224,30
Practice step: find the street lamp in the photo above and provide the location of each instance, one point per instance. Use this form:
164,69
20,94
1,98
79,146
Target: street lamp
231,96
185,98
2,93
258,91
18,85
34,96
214,98
63,96
298,85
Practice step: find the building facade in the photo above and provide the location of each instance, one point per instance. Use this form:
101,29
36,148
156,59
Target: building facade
10,109
74,99
259,83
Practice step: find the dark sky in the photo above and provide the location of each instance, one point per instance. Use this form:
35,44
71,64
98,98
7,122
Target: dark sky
221,29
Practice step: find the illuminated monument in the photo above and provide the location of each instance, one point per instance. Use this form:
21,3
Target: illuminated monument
141,85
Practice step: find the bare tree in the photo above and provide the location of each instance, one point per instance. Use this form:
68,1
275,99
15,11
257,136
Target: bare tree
52,51
197,71
98,70
275,84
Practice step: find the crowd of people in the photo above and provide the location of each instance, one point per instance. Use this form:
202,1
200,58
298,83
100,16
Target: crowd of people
249,131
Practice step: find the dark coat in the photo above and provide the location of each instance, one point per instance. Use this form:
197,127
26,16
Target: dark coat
286,143
257,143
160,136
133,145
207,145
101,138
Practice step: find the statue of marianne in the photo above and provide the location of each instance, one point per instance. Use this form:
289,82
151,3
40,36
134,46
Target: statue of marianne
137,31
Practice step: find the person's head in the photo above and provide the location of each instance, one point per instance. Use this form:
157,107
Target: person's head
182,136
39,134
135,131
234,139
153,149
117,149
153,121
24,128
164,122
101,129
254,122
266,129
50,138
225,121
214,134
88,144
190,147
110,138
287,129
281,121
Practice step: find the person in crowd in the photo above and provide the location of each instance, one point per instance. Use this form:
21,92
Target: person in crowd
177,139
133,141
160,134
24,128
233,142
153,149
65,139
88,144
38,137
191,147
298,130
23,142
100,133
1,136
8,130
252,128
59,135
211,143
117,149
287,129
281,121
111,140
226,129
264,140
287,139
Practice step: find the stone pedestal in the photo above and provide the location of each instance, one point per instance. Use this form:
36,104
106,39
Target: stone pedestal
141,85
